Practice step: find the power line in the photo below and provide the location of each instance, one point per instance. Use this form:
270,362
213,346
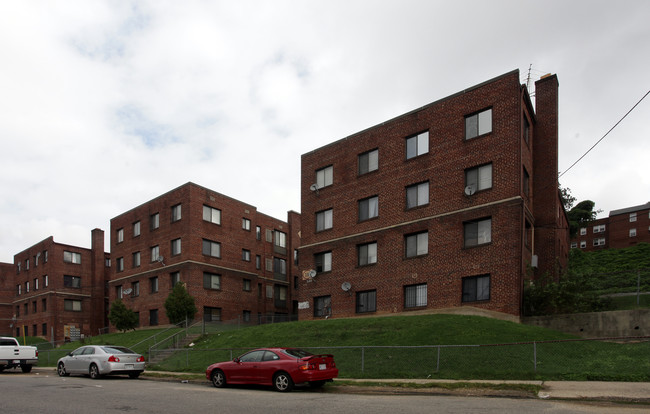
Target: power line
603,137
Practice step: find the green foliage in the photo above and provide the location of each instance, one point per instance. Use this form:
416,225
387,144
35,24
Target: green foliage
179,305
567,198
582,213
122,317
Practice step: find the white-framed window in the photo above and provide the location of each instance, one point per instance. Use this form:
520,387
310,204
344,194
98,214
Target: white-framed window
478,232
154,221
599,229
479,178
368,161
476,288
415,295
632,232
599,241
325,177
176,247
417,145
136,228
632,217
574,245
280,239
367,254
120,235
155,253
211,281
417,195
478,124
416,244
46,281
583,244
583,231
323,262
368,208
71,257
211,248
176,212
324,220
213,215
246,224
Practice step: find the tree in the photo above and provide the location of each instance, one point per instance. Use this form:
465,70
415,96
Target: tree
567,198
122,317
179,305
581,214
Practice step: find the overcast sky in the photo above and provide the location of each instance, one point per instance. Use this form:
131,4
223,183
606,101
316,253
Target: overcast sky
105,105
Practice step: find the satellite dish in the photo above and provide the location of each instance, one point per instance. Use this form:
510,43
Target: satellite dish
312,273
346,286
469,190
127,291
160,259
313,187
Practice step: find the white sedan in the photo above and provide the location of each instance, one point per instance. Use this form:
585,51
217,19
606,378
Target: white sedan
99,360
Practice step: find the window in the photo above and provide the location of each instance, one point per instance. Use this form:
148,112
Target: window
44,305
599,229
367,301
70,257
417,244
153,317
246,224
19,289
324,177
632,217
479,178
46,281
478,232
632,232
155,253
258,232
323,262
574,245
119,293
526,129
176,212
135,289
583,244
368,161
176,247
136,259
246,255
27,264
323,306
246,316
281,296
154,221
476,288
72,305
247,285
211,314
34,309
415,295
269,292
211,281
26,287
212,215
280,239
44,329
211,248
478,124
269,235
120,235
174,278
599,241
153,284
136,229
368,208
71,281
324,220
417,195
258,262
417,145
279,266
36,284
367,254
583,231
526,183
120,264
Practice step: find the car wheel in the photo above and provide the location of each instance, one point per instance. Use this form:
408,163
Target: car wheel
316,384
94,371
134,375
282,382
61,370
218,378
26,368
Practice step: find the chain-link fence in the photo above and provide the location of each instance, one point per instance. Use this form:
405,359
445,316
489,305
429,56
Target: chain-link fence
581,359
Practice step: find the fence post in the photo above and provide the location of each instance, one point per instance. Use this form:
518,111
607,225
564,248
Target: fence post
187,357
363,352
535,356
438,361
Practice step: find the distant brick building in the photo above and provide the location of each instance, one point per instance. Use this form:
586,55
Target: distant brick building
235,261
452,204
58,290
622,228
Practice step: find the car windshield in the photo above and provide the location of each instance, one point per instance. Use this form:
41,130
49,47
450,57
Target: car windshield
297,353
117,350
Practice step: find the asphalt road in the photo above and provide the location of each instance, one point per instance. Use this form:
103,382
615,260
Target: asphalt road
48,393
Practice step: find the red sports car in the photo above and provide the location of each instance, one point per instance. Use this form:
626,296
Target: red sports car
280,367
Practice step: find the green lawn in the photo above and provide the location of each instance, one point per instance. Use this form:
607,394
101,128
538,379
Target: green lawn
423,346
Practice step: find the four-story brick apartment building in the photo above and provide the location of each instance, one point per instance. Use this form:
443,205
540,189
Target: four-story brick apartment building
234,261
452,204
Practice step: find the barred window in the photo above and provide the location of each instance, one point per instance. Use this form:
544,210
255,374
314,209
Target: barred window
415,295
